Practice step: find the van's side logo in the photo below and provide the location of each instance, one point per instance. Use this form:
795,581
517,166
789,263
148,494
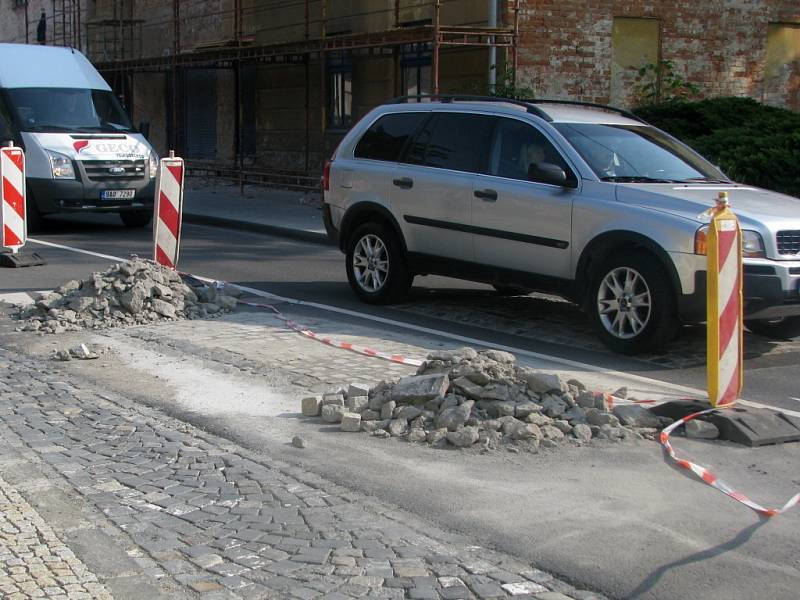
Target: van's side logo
80,145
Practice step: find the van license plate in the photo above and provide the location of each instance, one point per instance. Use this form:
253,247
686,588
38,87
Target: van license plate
117,194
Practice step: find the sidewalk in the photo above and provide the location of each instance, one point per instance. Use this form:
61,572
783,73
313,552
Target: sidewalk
148,507
282,212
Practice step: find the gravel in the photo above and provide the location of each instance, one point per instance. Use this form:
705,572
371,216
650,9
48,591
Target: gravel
468,398
134,292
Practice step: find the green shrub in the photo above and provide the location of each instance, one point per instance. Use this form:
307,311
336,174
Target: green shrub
753,143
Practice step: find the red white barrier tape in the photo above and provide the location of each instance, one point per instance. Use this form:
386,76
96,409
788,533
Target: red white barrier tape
169,208
12,171
395,358
612,401
706,476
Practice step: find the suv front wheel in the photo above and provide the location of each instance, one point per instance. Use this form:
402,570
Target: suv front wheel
376,267
632,304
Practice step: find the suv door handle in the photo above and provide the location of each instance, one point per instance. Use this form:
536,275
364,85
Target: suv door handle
487,195
404,182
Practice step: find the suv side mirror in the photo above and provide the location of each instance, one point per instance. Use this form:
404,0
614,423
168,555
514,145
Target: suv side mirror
547,173
144,129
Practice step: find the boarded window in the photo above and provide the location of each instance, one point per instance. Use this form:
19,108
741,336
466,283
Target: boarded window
634,44
782,69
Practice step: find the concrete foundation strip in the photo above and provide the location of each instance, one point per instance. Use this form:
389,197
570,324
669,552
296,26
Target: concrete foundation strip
395,358
709,478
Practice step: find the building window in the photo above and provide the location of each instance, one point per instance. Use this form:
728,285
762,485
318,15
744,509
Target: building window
416,70
20,3
340,91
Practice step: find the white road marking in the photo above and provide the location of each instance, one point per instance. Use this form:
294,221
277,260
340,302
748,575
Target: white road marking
690,391
798,399
78,250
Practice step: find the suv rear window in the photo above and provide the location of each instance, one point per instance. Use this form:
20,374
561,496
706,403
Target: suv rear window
385,139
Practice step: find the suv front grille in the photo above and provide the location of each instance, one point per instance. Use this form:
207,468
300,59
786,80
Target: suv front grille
789,242
114,170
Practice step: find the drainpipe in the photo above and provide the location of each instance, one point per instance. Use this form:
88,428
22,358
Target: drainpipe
492,47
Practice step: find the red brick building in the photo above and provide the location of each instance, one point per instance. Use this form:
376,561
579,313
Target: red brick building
588,49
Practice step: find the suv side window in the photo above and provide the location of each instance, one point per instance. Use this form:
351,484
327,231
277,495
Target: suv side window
387,136
457,141
517,145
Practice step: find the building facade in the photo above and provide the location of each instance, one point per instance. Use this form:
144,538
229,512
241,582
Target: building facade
268,87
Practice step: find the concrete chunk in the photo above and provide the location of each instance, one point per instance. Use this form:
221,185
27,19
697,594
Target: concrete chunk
310,406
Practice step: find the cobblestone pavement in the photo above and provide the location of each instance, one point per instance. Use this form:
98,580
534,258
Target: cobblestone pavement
34,562
552,319
221,522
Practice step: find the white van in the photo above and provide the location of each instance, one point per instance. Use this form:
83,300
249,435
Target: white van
82,153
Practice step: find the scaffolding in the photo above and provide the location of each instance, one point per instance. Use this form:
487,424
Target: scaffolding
67,26
240,51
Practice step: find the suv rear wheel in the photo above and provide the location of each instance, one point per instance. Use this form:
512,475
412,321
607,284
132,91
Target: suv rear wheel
376,267
631,304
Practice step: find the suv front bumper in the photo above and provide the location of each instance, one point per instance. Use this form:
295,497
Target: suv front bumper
771,290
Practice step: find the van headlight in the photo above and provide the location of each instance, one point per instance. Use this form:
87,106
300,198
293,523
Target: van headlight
153,164
752,243
61,165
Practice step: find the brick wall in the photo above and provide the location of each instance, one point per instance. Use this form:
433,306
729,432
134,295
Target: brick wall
566,45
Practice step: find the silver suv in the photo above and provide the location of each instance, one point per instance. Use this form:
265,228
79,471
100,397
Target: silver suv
577,199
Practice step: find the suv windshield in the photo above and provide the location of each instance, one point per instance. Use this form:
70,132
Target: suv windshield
67,109
637,153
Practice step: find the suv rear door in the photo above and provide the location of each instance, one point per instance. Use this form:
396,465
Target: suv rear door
521,224
433,184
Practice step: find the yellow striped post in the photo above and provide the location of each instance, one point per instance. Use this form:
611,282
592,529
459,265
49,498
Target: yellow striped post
724,306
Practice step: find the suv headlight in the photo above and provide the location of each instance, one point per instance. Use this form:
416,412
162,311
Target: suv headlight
153,164
61,165
752,243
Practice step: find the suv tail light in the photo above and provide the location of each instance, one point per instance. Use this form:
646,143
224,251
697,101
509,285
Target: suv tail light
326,176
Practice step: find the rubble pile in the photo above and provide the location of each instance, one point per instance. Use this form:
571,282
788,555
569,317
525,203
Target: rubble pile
136,291
465,397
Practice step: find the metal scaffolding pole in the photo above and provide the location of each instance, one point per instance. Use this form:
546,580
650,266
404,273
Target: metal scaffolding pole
436,40
323,76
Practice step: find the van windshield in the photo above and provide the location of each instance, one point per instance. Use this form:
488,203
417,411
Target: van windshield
67,109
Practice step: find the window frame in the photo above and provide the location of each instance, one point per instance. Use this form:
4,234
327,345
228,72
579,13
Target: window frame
340,72
573,180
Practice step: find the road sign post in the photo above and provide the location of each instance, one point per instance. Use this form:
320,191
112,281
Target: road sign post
169,211
724,305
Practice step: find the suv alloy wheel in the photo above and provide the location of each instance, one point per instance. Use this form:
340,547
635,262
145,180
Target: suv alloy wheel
376,267
632,304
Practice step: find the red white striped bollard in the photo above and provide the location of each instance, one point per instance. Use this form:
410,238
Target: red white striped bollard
12,172
12,210
724,306
169,211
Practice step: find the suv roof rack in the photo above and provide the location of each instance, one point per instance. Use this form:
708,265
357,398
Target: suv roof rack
619,111
527,104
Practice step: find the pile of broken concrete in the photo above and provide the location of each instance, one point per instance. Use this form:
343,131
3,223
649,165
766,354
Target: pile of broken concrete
136,291
466,397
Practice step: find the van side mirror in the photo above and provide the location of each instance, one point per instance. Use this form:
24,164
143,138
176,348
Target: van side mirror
547,173
144,129
6,134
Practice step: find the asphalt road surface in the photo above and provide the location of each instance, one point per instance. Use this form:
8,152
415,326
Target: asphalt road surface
315,272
